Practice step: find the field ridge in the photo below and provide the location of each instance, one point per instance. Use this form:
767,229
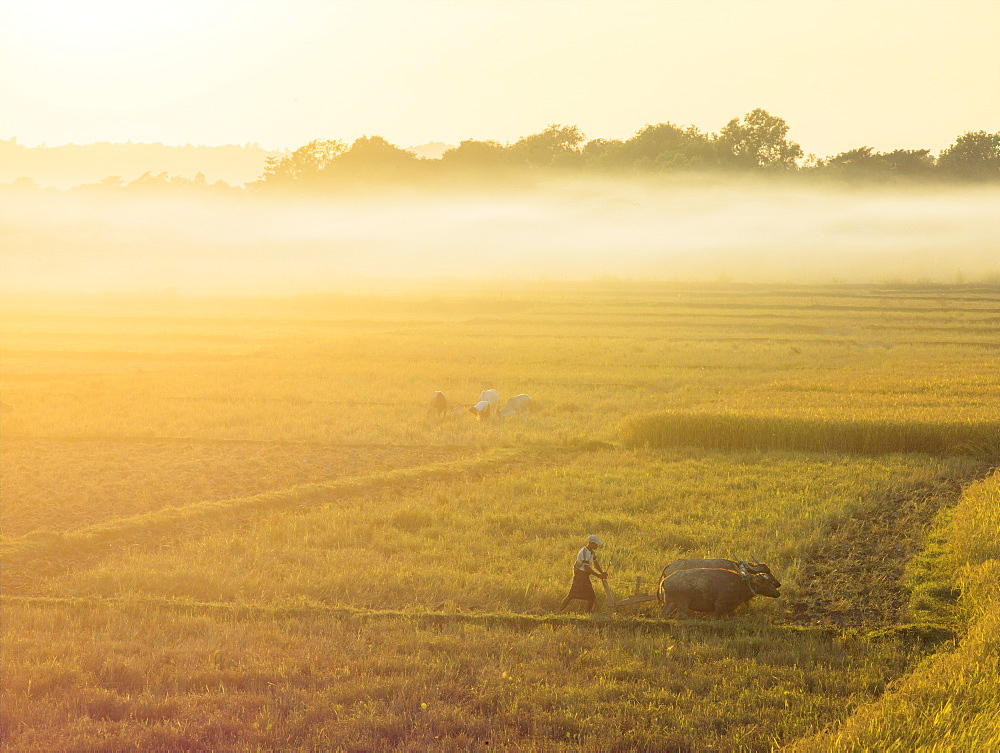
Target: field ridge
743,431
927,633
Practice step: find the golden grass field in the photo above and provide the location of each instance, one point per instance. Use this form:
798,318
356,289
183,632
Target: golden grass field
234,523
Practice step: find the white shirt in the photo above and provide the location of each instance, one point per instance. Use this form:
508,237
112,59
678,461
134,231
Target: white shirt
585,557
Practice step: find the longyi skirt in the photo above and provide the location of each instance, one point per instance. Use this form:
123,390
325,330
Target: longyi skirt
582,588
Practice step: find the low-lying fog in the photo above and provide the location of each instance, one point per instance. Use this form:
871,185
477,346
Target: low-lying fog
743,233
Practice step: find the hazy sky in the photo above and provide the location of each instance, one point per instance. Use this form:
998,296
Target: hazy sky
843,74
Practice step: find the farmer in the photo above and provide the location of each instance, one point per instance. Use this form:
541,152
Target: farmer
586,565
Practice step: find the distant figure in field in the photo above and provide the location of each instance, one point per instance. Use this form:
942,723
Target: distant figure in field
492,397
5,408
586,565
481,409
440,404
486,407
519,405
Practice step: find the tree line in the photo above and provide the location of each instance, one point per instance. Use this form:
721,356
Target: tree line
756,143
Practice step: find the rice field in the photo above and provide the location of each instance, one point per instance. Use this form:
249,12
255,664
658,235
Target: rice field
234,523
63,485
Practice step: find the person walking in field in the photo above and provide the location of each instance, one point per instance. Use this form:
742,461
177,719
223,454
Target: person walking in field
586,565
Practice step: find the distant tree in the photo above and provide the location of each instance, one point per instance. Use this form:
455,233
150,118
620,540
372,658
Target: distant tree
863,162
474,153
305,166
654,148
602,153
759,141
973,156
666,146
910,162
556,146
373,158
322,164
476,157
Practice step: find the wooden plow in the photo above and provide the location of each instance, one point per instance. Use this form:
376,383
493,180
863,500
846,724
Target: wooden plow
615,604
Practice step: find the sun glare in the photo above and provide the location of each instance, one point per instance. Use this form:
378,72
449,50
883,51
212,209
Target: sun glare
73,35
108,19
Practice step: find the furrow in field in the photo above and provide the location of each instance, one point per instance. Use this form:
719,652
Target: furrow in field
855,576
428,619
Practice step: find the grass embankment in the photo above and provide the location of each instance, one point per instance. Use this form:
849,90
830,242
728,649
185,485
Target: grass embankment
952,700
731,431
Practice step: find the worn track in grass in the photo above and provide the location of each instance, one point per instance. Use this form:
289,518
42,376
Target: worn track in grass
35,557
61,485
228,611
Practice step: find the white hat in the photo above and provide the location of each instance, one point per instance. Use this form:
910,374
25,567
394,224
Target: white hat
594,540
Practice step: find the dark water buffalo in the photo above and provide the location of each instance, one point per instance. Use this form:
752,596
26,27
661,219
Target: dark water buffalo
715,589
737,565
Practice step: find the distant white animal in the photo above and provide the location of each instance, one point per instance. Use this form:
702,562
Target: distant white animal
481,409
517,405
440,404
492,397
